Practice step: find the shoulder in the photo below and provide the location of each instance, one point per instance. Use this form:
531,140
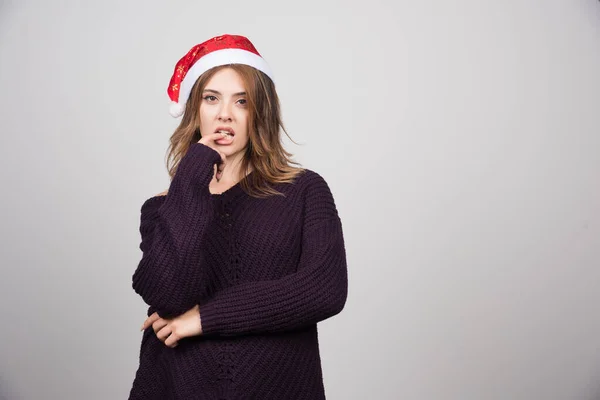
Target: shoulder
311,180
316,193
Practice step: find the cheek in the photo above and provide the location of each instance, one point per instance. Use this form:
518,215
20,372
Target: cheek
203,125
241,114
206,112
205,118
242,121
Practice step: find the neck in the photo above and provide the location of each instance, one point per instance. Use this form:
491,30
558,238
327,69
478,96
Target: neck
231,173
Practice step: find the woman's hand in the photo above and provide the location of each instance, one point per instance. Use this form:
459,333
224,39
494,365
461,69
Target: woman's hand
209,140
170,331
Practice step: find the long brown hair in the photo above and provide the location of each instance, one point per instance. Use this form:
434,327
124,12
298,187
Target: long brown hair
264,151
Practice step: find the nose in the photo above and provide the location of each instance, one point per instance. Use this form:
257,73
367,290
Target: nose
225,112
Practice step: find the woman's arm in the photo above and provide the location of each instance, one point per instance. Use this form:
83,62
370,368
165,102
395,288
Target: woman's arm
317,291
169,277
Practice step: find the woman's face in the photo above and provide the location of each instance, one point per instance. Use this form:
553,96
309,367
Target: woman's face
224,106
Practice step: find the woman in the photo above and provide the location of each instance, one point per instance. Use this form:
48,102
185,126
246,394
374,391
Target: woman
244,253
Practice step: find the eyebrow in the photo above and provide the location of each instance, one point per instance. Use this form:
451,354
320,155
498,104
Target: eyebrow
217,92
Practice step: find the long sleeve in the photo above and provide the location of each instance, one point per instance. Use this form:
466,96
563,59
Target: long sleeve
148,214
316,291
169,276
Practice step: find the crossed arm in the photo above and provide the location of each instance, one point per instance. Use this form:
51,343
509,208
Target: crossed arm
316,291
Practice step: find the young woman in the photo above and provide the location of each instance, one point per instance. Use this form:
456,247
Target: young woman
244,253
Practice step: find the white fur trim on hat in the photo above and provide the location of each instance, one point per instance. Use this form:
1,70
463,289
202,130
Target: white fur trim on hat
216,58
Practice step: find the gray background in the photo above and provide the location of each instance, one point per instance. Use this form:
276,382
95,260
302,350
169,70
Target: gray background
461,140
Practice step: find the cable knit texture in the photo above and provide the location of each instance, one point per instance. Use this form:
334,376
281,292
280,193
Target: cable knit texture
263,271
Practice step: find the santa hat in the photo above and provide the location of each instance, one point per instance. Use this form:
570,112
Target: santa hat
220,50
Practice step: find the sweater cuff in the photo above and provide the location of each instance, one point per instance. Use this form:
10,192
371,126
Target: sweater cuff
209,318
196,160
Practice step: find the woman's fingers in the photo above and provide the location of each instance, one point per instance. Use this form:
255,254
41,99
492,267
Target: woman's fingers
159,324
168,336
170,331
163,333
164,330
149,321
172,340
209,140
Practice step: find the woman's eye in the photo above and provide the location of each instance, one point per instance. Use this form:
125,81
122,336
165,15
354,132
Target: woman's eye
213,98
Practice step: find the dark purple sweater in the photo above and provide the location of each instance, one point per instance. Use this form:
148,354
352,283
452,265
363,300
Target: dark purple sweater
264,272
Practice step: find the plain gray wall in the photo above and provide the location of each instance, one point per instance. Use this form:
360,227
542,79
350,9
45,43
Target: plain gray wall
461,141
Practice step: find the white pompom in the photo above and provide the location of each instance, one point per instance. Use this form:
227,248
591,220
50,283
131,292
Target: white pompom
176,109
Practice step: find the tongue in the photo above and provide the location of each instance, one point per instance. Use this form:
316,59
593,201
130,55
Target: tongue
225,139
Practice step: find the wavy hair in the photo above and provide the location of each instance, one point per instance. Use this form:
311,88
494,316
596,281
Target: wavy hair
264,151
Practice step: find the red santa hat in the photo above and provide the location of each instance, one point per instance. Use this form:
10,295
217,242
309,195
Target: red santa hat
219,50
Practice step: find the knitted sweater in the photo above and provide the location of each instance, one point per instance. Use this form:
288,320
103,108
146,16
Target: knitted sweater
263,272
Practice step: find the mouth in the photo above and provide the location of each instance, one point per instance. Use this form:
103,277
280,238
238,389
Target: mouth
228,131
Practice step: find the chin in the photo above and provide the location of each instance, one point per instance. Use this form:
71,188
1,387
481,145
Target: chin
228,150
